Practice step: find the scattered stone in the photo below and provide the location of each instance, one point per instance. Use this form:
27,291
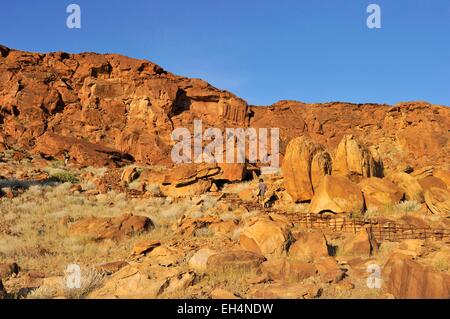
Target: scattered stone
131,282
219,293
111,267
144,247
287,291
8,270
180,282
129,174
195,188
75,188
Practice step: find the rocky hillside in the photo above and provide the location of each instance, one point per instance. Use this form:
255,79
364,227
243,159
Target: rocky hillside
108,108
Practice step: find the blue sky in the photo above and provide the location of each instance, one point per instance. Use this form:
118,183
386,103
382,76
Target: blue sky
263,51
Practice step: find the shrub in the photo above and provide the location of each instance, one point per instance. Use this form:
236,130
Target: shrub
64,177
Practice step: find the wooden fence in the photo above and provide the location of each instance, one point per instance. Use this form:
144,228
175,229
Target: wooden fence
389,231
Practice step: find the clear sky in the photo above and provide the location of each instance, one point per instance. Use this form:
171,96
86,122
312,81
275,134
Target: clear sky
263,51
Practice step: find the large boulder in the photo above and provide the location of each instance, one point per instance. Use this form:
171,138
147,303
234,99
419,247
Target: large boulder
363,243
232,172
337,194
408,279
288,269
309,246
302,161
199,261
80,151
193,189
235,261
185,174
354,161
99,228
438,201
131,282
266,237
380,192
431,181
411,187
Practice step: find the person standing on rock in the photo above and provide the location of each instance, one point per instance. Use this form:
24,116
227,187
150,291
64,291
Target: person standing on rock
262,188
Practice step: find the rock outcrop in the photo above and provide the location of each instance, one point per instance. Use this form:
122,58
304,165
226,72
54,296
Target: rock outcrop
354,161
130,107
305,163
405,278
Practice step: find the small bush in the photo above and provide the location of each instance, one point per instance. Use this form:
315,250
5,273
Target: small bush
90,280
64,177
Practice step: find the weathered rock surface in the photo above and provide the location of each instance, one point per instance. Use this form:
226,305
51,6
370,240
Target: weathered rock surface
405,278
411,187
360,244
235,261
110,227
379,193
438,201
354,161
304,166
266,237
288,269
337,194
309,246
431,181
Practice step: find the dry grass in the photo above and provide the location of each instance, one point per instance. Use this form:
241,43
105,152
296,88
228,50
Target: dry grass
40,238
399,210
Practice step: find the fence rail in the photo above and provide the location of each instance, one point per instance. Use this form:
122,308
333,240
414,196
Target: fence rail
381,231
